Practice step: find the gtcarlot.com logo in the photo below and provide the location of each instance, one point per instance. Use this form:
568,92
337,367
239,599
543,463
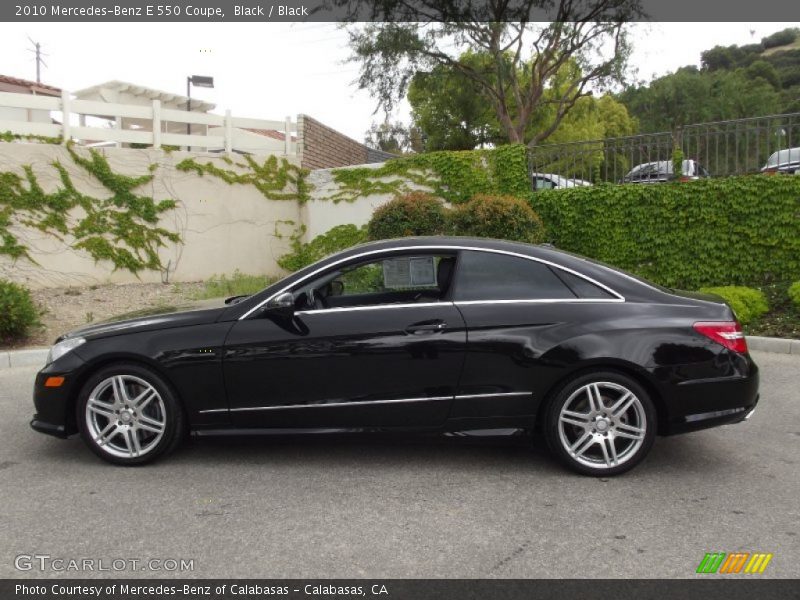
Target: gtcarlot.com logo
734,562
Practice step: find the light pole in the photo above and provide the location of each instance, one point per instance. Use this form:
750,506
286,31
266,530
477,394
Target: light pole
197,81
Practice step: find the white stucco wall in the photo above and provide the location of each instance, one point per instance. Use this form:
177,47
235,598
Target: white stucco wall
223,227
321,214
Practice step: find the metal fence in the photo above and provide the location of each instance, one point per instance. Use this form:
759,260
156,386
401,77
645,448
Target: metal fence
721,148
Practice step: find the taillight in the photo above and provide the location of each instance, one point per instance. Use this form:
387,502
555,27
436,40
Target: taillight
726,333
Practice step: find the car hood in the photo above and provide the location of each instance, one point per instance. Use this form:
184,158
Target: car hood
159,317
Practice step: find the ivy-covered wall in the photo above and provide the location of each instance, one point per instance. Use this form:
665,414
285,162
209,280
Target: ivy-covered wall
728,231
71,215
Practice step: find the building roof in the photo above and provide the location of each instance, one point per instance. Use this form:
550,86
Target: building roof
272,133
150,93
35,88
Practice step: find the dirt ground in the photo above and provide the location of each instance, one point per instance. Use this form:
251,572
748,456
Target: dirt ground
68,308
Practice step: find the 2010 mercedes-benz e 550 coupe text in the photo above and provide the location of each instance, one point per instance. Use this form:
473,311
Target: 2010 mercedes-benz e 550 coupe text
419,334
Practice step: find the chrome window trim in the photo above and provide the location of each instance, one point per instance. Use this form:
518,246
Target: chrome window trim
361,402
619,297
336,309
542,301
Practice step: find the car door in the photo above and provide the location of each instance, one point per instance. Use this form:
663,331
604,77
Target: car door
367,346
516,309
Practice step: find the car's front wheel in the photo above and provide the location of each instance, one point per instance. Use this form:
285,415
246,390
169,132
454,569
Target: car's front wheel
128,415
601,423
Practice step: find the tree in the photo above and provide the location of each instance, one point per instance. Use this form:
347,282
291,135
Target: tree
454,114
395,138
693,96
524,57
451,110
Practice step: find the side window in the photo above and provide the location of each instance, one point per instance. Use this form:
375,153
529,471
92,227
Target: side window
491,276
392,280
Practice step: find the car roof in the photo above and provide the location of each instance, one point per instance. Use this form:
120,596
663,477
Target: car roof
606,274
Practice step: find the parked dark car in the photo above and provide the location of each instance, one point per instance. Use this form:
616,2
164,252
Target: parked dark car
661,171
783,161
425,334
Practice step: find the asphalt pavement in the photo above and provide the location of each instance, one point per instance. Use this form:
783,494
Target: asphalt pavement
402,507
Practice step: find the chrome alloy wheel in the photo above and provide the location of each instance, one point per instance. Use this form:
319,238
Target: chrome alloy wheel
125,416
602,425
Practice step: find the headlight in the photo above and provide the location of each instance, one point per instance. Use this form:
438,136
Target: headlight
62,347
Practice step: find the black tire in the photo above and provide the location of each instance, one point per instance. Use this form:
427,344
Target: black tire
162,409
605,435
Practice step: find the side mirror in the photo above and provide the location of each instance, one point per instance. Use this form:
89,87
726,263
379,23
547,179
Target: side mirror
337,287
282,304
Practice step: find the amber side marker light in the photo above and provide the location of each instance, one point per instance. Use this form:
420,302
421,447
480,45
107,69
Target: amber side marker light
54,382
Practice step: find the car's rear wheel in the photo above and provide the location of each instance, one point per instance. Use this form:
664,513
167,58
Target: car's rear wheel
601,423
128,415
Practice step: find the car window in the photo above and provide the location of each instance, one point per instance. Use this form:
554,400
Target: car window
581,287
544,184
390,280
492,276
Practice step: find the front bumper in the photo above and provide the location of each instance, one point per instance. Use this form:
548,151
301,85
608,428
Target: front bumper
55,406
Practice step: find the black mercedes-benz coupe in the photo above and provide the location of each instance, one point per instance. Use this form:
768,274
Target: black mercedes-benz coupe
418,334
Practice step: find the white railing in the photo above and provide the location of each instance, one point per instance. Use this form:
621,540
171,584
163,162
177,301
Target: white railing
228,133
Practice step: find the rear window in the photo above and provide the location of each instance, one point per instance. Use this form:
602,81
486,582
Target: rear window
491,276
583,288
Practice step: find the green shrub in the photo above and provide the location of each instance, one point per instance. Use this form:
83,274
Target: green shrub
747,303
238,284
731,231
415,213
794,294
501,217
339,238
18,314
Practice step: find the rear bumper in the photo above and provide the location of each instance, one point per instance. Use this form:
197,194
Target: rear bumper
696,404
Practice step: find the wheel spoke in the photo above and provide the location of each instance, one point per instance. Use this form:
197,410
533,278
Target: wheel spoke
609,451
132,441
143,399
583,444
120,393
150,424
101,408
623,404
575,418
629,431
108,432
595,400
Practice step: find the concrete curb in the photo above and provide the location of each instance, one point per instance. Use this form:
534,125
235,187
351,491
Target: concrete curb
36,357
29,357
776,345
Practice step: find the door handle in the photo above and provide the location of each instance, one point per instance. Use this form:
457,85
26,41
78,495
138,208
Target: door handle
426,327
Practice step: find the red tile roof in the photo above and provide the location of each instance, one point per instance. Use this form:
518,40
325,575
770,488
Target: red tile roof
32,85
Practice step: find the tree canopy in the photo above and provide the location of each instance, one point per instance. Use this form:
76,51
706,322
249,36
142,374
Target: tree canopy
518,61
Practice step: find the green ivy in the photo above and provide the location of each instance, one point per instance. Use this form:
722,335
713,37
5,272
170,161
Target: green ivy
732,231
7,136
455,176
122,228
270,178
337,239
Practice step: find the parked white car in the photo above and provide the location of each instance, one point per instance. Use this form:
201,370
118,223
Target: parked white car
783,161
551,181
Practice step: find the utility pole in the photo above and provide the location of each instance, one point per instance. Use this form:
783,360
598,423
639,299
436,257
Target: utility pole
39,60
